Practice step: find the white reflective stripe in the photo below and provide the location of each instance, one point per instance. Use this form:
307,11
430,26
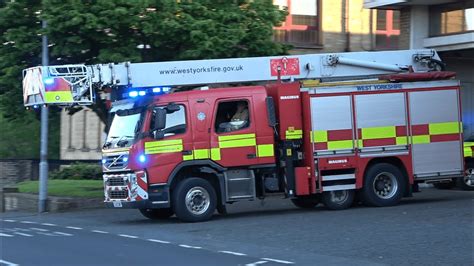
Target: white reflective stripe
338,177
339,187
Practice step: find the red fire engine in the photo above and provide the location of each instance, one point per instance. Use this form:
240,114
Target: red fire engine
314,128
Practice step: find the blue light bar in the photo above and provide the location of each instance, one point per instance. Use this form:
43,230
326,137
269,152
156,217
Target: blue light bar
48,81
133,94
157,90
142,93
166,89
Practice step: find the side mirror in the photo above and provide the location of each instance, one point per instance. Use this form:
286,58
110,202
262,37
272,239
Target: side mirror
271,112
160,119
171,108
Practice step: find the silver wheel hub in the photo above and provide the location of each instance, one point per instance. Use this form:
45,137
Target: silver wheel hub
339,196
385,185
197,200
468,177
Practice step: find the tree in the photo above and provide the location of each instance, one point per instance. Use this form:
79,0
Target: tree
100,31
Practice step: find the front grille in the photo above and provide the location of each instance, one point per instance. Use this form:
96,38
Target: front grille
116,162
122,194
116,181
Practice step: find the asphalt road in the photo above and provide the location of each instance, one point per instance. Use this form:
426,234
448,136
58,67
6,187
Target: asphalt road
435,227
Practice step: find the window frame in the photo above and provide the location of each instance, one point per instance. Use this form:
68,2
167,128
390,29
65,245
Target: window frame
217,112
439,9
288,27
388,31
164,106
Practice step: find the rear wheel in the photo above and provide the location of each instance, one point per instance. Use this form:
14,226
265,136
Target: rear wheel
383,185
194,200
306,202
338,200
466,183
157,214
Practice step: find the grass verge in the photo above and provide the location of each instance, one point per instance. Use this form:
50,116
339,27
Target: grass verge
66,188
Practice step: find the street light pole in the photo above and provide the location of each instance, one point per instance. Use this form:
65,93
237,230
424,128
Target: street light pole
43,165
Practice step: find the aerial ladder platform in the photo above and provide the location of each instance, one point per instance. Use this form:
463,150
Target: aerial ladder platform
68,85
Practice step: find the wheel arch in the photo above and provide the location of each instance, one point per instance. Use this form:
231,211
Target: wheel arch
395,161
205,169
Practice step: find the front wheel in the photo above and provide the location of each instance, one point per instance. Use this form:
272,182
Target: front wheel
383,185
306,202
466,183
338,200
194,200
157,214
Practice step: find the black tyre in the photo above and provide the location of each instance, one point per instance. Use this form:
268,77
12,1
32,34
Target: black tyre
157,214
338,200
465,183
194,200
306,202
384,185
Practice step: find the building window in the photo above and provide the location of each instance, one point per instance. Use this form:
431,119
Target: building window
452,18
302,25
387,32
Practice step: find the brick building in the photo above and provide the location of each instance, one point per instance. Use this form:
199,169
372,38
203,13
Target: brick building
312,26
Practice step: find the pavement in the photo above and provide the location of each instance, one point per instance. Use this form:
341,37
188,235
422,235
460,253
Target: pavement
435,227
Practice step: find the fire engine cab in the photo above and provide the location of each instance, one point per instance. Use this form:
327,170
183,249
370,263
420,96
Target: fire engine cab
312,128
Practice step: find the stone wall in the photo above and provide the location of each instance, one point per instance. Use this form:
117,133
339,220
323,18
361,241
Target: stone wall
14,171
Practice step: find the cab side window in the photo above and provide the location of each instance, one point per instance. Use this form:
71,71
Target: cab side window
232,116
175,121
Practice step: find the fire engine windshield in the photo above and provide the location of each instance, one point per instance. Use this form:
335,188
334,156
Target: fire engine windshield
123,129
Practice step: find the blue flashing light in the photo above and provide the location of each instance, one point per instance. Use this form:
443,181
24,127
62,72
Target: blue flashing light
142,93
104,161
49,81
133,94
35,106
157,90
125,159
166,89
142,158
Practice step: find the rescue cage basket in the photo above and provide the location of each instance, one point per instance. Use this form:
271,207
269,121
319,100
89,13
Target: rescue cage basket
57,85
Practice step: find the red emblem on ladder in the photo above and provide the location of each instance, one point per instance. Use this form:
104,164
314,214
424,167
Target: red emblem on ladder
287,66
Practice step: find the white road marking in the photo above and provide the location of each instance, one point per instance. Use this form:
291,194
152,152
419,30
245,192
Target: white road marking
232,253
39,229
159,241
279,261
100,232
7,263
45,234
128,236
27,222
257,263
48,224
73,227
63,234
22,234
2,234
9,221
193,247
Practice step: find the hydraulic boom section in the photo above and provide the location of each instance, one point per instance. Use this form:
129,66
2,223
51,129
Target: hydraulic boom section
73,84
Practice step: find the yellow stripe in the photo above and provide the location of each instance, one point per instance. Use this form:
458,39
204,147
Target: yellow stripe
215,154
402,141
468,152
265,150
421,139
379,132
340,144
360,143
234,137
162,143
201,154
444,128
237,143
320,136
294,134
188,157
166,149
58,96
